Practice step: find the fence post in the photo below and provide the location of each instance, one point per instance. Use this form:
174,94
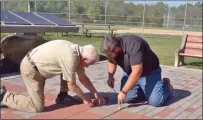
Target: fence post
2,5
185,18
105,10
168,16
143,16
28,6
69,10
35,6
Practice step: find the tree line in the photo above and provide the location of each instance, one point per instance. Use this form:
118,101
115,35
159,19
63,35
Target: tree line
117,12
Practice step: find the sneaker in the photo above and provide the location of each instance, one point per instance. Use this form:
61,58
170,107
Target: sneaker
167,81
67,100
2,92
136,100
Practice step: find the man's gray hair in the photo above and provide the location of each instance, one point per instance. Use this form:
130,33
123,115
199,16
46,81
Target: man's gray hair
108,44
90,52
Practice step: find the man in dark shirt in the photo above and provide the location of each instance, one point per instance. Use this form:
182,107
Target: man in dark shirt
142,73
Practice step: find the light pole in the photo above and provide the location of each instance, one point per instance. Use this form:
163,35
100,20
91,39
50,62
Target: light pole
185,17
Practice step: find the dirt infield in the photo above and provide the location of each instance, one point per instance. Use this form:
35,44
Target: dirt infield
152,31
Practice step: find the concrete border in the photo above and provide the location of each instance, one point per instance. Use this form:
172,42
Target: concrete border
16,76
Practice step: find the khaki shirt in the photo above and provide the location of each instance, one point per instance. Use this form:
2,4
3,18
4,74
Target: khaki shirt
58,57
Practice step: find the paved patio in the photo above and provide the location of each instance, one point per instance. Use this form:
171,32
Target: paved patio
186,102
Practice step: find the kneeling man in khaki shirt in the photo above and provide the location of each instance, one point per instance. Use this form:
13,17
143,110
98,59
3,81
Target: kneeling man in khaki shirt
58,57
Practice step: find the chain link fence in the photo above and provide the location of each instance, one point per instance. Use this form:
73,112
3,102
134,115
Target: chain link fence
179,16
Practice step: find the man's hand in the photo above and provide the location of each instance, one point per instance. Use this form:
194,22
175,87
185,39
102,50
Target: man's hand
111,70
111,81
101,100
121,97
91,103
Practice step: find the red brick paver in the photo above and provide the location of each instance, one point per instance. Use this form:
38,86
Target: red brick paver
10,116
63,112
165,112
128,115
6,110
14,88
86,115
190,110
186,102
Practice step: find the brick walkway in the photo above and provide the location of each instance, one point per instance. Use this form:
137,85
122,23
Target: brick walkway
186,102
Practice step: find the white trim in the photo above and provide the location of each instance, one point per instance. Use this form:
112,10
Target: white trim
21,17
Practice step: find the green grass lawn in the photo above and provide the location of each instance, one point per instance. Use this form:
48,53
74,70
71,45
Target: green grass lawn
164,47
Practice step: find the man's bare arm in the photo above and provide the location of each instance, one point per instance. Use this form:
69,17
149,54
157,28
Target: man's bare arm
74,88
87,83
133,78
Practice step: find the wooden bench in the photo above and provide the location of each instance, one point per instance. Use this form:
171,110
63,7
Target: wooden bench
87,30
191,47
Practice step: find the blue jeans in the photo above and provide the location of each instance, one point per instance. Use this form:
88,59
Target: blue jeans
150,87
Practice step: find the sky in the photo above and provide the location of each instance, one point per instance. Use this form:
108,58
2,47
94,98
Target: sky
174,3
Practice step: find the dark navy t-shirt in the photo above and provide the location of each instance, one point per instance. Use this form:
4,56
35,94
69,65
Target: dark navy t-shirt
135,50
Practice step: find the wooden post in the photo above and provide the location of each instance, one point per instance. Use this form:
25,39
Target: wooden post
109,29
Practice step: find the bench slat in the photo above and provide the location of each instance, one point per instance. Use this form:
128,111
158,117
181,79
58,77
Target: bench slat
194,39
192,52
198,56
193,45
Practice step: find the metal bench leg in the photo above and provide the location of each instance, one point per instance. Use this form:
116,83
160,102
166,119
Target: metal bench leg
181,60
111,33
177,59
86,33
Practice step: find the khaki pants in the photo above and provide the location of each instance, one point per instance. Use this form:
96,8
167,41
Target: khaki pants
34,82
64,86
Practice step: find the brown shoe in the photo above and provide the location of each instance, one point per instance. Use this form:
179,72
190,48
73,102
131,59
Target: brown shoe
167,81
67,100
